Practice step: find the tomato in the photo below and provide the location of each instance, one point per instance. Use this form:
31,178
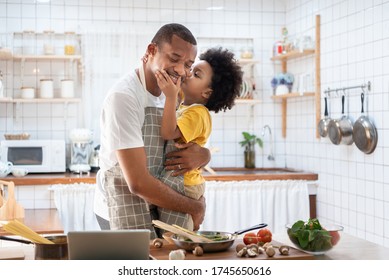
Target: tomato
335,237
264,235
250,238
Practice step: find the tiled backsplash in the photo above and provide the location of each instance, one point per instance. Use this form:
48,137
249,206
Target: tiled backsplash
353,187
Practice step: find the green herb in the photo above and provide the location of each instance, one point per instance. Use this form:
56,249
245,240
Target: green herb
310,236
213,237
250,140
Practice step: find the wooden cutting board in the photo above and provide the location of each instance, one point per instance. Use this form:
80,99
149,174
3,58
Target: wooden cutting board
10,209
230,254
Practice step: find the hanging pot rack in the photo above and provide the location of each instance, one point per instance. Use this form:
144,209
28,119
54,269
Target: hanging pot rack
327,92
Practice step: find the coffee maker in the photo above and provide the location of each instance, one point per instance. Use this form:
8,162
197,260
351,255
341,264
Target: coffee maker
81,140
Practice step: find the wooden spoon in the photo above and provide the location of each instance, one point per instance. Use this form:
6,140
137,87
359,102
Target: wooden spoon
178,230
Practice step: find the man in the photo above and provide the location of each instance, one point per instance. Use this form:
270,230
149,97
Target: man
133,109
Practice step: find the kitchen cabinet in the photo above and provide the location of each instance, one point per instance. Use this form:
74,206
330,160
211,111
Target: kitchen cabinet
284,58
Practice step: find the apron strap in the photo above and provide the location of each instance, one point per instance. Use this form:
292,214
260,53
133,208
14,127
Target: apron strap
143,81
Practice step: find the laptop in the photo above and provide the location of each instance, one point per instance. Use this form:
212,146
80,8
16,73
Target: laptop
109,245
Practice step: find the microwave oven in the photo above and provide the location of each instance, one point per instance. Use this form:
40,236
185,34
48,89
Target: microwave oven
37,156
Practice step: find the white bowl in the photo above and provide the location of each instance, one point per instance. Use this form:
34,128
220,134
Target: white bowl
19,172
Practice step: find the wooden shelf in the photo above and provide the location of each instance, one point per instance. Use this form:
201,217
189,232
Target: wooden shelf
5,99
293,95
293,54
296,54
40,100
247,62
247,101
47,57
5,54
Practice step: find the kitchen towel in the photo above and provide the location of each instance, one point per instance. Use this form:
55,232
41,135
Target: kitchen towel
235,205
75,206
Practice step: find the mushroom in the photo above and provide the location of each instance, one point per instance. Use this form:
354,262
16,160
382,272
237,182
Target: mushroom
242,252
270,251
284,250
198,251
251,253
158,243
261,250
239,247
253,247
176,255
266,245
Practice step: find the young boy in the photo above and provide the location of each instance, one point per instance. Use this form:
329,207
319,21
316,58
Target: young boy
213,85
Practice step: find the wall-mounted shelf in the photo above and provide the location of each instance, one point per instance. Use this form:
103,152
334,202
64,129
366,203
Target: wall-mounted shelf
40,100
297,54
293,54
47,57
292,95
5,100
247,62
18,101
247,101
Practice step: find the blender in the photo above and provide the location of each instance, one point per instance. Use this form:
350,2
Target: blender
81,140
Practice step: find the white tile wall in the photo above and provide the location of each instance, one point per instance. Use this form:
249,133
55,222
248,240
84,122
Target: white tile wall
353,187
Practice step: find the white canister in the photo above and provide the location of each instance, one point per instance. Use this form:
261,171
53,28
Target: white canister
27,92
67,88
47,88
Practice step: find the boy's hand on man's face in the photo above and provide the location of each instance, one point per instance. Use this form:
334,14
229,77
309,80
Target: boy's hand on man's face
166,84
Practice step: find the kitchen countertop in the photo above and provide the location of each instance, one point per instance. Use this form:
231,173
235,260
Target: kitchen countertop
43,221
222,174
240,174
51,178
349,248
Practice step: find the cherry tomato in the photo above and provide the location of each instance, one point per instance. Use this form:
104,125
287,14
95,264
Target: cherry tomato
335,237
250,238
264,235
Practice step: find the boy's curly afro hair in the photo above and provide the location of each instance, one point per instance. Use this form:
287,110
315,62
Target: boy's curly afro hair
226,79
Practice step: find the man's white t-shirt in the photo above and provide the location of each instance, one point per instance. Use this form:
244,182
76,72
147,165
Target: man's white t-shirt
121,122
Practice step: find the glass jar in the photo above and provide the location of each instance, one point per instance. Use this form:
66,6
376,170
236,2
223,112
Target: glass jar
48,42
70,43
246,52
28,42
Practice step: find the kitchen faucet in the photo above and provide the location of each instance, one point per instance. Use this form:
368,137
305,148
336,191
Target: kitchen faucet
270,156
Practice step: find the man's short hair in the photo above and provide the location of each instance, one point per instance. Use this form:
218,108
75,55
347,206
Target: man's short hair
166,32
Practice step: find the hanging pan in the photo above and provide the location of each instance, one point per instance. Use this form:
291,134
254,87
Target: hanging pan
323,123
365,133
341,131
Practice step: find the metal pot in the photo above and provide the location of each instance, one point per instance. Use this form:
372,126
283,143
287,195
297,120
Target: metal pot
323,123
341,131
365,133
57,251
216,246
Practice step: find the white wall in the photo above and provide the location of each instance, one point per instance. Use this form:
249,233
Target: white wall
353,187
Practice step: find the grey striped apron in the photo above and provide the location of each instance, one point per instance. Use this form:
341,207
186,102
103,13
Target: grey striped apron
128,211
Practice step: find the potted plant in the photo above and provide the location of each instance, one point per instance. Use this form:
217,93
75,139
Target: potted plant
249,153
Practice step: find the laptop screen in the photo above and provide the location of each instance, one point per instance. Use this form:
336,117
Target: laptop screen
109,245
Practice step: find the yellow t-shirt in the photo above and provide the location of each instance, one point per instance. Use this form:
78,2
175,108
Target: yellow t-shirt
195,124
